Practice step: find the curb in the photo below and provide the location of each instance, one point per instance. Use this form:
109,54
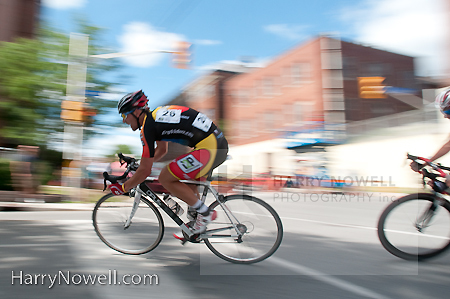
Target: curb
42,206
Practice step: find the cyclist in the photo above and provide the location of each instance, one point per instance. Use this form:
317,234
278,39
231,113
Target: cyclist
182,125
443,102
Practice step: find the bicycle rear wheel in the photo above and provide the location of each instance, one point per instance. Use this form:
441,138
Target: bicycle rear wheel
412,228
259,222
143,235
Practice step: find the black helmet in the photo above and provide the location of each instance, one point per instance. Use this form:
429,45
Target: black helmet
134,100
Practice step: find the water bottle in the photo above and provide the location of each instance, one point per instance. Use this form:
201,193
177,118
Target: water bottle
173,205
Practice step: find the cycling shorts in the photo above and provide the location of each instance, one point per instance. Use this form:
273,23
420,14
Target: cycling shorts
207,155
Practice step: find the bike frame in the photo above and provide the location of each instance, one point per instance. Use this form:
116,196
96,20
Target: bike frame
143,190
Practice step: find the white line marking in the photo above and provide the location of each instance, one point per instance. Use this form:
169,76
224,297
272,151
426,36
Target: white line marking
341,284
330,223
368,228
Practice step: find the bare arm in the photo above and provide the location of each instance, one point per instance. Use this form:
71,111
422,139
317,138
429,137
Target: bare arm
442,151
161,150
145,166
144,170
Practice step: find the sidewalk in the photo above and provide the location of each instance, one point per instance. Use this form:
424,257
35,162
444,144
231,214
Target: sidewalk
16,201
14,196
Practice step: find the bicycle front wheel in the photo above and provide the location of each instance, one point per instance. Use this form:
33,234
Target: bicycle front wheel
415,227
144,233
258,222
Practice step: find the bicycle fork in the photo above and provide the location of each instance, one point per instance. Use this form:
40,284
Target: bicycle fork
424,220
137,199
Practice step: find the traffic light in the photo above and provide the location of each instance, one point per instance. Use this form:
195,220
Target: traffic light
371,87
72,110
77,111
88,114
182,56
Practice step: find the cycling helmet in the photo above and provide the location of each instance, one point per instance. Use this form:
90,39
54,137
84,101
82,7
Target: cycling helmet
132,101
443,101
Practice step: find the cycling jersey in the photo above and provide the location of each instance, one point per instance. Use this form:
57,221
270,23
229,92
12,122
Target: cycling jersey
188,127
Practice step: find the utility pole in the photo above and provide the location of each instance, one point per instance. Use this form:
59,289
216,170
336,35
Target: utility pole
75,98
73,106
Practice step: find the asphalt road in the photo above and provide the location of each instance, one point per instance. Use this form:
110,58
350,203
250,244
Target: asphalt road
330,250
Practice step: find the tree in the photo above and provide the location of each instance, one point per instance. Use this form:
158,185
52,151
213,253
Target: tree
33,84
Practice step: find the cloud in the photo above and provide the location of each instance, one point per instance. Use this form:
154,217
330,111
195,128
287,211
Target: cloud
291,32
410,27
64,4
141,37
207,42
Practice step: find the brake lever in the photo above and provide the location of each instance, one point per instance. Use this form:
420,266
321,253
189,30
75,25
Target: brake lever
105,174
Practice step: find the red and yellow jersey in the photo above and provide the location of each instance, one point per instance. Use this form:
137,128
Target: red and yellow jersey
177,124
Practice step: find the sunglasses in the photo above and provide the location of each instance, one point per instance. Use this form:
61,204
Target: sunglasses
447,112
124,115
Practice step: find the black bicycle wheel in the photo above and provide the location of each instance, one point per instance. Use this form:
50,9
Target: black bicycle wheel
258,221
408,228
143,235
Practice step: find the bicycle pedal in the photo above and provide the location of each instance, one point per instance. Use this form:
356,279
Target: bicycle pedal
182,239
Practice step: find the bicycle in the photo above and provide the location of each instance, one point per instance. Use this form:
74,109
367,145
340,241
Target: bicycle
247,230
417,226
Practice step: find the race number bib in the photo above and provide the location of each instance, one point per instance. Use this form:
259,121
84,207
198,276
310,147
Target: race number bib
202,122
171,116
189,164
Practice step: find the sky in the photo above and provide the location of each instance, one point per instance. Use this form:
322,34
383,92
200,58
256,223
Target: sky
235,30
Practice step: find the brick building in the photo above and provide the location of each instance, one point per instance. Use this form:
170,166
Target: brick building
303,99
18,18
315,82
208,93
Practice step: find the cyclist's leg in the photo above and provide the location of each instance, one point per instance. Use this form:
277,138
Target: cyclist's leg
190,166
193,165
177,188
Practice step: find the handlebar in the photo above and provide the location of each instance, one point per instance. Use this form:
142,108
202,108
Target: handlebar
437,185
131,166
436,166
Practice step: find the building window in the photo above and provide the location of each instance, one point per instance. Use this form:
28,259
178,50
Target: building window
301,111
245,128
350,68
286,76
300,73
268,121
267,86
210,90
376,69
332,79
287,115
243,97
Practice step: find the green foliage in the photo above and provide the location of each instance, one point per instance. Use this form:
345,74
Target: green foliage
33,83
5,175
